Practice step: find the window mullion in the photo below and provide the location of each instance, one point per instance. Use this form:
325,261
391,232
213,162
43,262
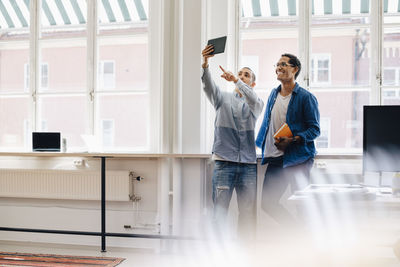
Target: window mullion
34,61
91,61
376,51
304,42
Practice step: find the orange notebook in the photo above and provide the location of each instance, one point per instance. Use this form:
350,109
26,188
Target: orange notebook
284,131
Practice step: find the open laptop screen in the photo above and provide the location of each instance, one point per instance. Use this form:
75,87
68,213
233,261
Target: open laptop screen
46,141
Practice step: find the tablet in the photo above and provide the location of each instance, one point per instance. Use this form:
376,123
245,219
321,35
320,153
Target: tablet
219,45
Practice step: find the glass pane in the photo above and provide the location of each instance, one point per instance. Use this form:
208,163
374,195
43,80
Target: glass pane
63,46
340,71
15,130
283,10
326,12
123,122
323,76
14,46
391,96
344,112
268,29
65,114
58,15
391,56
391,11
14,66
123,45
131,16
123,63
345,52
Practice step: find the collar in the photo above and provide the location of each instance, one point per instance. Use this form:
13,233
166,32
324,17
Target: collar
295,89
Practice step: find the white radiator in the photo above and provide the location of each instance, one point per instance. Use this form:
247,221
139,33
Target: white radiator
64,184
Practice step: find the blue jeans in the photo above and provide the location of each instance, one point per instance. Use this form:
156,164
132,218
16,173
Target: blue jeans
276,181
243,178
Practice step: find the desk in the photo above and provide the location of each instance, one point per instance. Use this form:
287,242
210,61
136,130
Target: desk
352,193
334,207
102,157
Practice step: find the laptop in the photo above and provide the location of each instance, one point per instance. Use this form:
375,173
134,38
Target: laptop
46,141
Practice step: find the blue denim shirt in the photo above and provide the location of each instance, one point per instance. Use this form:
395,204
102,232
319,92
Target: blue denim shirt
303,119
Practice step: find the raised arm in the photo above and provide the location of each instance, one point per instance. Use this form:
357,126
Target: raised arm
210,88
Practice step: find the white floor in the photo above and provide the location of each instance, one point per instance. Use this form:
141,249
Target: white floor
276,250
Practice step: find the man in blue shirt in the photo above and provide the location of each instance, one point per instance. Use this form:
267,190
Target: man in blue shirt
289,159
234,146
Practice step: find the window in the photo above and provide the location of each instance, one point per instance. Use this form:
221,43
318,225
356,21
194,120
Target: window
323,141
107,132
106,75
336,48
44,74
320,69
391,76
91,84
267,29
26,77
391,54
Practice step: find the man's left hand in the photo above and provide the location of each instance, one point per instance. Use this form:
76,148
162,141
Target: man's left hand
283,142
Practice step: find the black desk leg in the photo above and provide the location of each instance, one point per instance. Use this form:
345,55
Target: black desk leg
103,204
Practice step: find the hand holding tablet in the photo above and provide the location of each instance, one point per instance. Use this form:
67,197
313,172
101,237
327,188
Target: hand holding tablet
218,45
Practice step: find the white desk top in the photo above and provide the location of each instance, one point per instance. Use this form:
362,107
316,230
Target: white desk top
346,193
101,154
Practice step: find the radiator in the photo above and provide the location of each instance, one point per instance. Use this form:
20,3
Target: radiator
64,184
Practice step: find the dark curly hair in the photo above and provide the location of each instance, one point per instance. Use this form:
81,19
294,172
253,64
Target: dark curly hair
294,61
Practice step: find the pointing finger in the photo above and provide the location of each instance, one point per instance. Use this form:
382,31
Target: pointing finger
222,68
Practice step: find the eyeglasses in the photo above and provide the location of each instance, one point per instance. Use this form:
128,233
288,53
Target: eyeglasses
283,65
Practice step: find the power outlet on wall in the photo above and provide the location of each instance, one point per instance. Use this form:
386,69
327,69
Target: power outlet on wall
79,162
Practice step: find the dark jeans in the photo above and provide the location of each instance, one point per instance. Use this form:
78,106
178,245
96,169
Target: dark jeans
276,181
243,178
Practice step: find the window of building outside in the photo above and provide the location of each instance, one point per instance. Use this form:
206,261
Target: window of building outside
107,75
320,69
324,139
64,98
340,59
44,76
107,127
